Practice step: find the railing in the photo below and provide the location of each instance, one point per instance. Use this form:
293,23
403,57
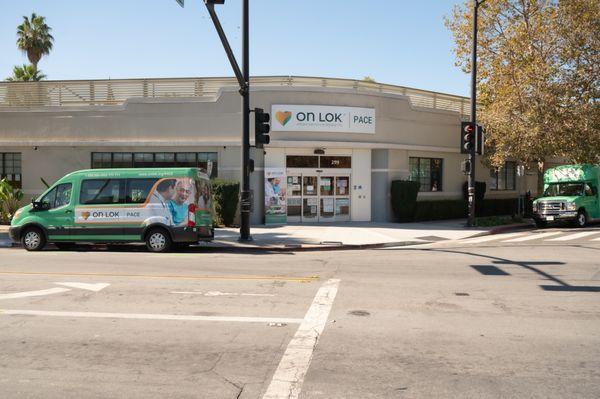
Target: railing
111,92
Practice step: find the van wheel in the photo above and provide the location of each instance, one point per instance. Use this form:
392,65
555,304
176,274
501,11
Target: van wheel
158,240
33,239
581,220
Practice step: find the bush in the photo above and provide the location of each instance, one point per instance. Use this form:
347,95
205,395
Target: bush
440,210
404,199
9,200
499,207
225,195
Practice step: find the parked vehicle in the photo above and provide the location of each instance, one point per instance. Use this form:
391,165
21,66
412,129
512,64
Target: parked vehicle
570,194
161,207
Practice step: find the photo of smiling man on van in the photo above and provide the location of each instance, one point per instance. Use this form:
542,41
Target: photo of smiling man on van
178,206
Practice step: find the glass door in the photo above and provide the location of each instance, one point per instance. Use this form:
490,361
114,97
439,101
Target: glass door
310,198
326,198
294,198
342,198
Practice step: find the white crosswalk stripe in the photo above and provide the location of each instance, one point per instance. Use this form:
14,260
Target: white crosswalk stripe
596,239
491,237
535,236
574,236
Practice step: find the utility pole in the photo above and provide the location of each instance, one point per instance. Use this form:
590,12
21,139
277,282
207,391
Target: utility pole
243,77
471,180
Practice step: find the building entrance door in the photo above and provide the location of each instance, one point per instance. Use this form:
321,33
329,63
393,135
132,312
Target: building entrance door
318,196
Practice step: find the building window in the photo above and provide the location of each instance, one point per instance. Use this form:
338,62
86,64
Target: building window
10,168
427,171
302,161
315,161
206,161
504,178
335,162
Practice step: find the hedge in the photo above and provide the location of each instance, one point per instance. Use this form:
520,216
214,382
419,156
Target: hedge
457,209
404,199
225,195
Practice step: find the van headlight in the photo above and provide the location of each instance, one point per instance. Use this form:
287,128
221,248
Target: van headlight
17,213
571,206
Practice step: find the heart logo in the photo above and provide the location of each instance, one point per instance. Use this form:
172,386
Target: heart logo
283,117
85,215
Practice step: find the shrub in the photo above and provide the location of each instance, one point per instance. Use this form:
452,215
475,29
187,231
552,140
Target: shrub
440,210
225,195
9,200
404,199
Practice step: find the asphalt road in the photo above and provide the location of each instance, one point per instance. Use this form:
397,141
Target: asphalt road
513,316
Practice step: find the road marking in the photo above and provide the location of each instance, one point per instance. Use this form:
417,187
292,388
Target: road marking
85,286
289,376
534,236
307,279
491,237
148,316
596,239
574,236
15,295
218,293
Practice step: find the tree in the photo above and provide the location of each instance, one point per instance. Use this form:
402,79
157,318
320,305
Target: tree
538,77
34,38
369,79
26,73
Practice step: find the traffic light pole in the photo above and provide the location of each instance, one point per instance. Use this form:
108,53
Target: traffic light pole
245,204
471,180
243,77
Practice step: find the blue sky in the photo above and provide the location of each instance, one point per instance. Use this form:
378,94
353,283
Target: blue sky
401,42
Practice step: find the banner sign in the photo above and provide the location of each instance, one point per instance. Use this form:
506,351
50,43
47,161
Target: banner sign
320,118
275,196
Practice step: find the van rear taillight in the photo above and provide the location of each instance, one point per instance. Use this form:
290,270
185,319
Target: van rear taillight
191,215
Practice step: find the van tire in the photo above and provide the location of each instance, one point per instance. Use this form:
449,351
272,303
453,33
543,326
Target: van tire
158,240
33,239
582,218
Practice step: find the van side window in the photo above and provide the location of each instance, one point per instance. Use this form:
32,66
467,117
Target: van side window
588,191
58,196
138,190
102,191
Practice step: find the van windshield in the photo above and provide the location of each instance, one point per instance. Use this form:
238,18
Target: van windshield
566,189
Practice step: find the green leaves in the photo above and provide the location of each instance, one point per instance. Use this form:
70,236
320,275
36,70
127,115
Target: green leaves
9,200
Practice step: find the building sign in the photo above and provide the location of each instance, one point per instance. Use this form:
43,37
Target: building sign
275,196
319,118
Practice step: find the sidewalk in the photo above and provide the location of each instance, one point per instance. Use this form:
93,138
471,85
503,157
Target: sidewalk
348,235
351,235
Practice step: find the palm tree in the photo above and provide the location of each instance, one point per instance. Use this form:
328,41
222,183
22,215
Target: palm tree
26,73
34,38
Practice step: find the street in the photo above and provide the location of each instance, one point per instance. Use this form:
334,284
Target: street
500,316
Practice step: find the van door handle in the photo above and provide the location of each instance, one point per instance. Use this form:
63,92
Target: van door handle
68,211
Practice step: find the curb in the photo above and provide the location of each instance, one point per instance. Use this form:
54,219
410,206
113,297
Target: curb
312,247
505,229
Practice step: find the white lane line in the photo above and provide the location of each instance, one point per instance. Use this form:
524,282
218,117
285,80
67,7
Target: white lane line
574,236
218,293
49,291
86,286
289,376
147,316
535,236
596,239
490,237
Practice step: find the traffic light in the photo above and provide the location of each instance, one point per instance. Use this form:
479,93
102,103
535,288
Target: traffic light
467,137
261,128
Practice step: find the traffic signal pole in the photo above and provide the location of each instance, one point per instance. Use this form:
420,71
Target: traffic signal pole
243,77
471,180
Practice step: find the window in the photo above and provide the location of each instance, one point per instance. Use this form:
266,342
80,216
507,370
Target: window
335,162
58,196
138,190
504,178
427,171
302,161
10,168
102,191
206,161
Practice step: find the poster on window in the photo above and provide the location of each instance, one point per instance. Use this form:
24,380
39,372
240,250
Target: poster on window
275,196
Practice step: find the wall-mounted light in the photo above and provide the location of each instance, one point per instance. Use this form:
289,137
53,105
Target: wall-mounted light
319,151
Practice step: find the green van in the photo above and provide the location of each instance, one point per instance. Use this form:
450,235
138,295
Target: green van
161,207
570,194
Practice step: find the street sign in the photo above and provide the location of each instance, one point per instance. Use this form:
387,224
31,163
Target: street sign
180,2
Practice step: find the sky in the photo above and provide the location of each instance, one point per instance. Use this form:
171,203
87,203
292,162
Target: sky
401,42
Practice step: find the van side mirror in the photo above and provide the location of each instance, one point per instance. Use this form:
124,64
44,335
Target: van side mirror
39,206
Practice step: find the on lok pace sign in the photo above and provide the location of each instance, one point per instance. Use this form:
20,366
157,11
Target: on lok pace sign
320,118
